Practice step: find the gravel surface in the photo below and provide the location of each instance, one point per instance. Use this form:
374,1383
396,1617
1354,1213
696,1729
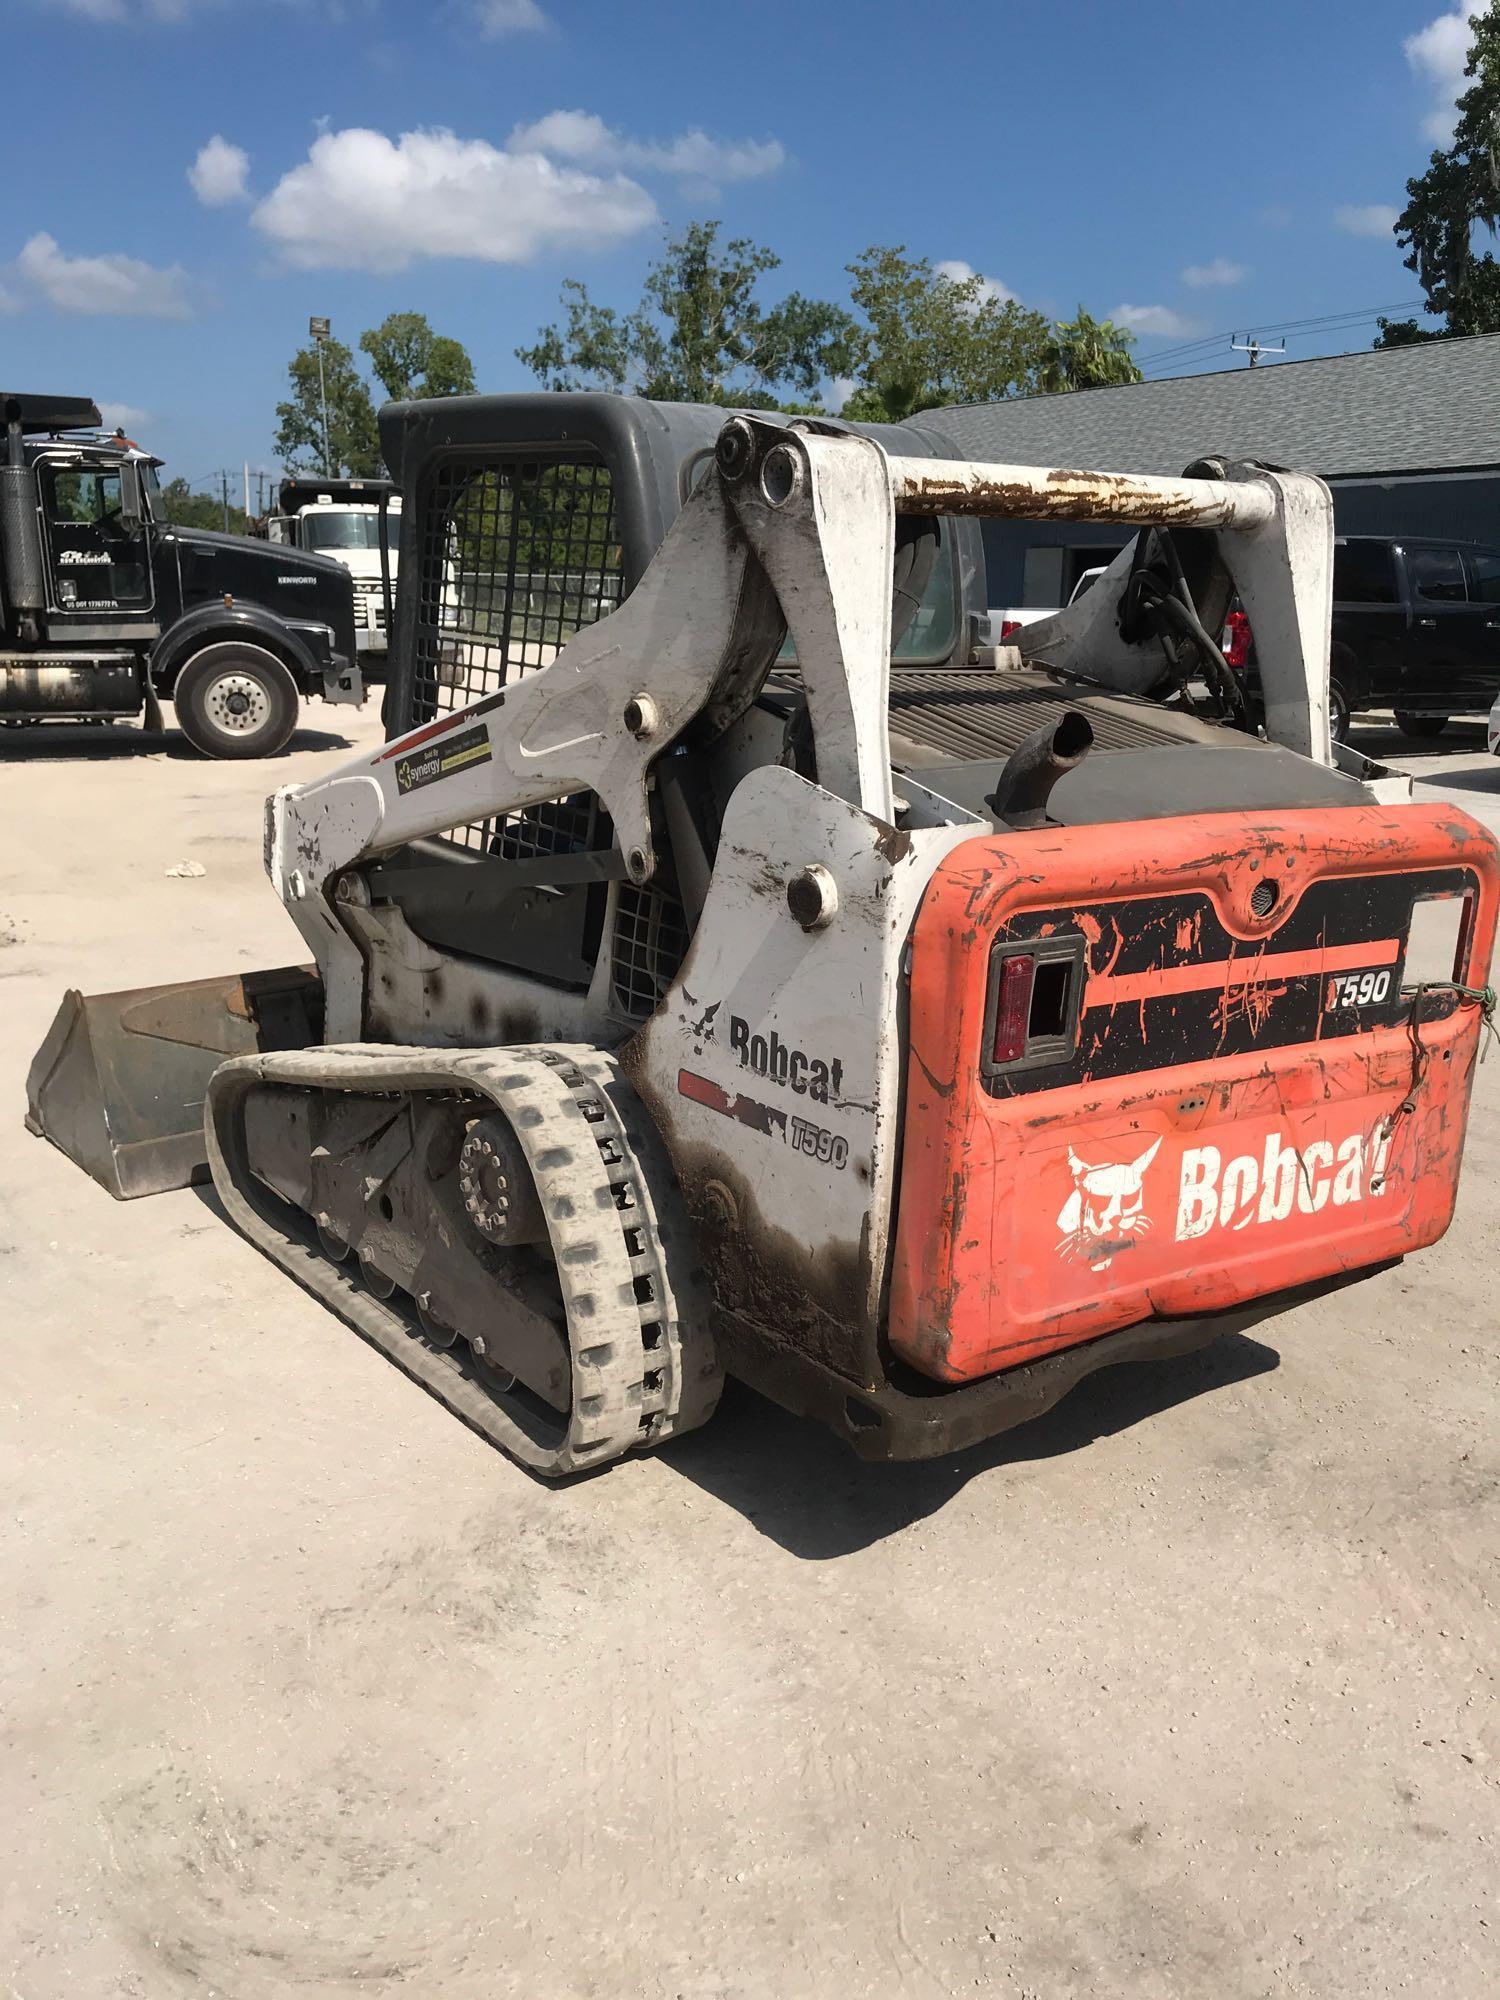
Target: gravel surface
1186,1689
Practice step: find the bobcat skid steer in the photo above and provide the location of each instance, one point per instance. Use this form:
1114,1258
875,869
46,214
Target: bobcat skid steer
719,971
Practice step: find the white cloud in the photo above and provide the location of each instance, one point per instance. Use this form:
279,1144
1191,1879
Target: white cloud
507,17
168,11
1219,271
10,302
125,416
1369,218
957,272
220,172
1437,53
98,285
1152,319
584,139
361,201
840,389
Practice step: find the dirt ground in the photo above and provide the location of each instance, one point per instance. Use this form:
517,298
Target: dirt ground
1187,1689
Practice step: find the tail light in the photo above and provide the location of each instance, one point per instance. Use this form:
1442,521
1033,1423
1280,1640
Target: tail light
1017,983
1236,641
1034,1003
1007,626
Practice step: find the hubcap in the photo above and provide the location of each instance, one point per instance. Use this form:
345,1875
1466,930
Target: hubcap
237,702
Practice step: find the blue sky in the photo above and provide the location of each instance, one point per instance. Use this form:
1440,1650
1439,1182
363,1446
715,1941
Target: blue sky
1203,166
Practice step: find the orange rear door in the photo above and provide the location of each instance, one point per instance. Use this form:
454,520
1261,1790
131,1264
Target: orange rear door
1167,1067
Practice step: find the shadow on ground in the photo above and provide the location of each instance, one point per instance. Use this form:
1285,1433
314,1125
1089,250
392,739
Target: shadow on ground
1463,737
801,1486
87,742
1485,779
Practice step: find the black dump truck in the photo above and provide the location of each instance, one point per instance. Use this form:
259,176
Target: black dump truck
106,607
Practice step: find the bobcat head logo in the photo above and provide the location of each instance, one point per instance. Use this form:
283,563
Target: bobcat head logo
1106,1209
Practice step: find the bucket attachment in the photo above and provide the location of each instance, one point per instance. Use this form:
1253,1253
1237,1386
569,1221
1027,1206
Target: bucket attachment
118,1084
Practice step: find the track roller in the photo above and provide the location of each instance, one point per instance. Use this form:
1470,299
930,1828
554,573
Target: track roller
521,1176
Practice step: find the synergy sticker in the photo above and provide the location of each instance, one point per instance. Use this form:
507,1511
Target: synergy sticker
442,759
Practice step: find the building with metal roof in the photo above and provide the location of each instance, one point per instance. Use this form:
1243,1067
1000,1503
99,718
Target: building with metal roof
1407,437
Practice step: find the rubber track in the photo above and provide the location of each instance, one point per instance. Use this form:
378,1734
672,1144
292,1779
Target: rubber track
637,1308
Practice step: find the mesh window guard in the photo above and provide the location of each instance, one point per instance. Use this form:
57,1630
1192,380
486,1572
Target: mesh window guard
517,554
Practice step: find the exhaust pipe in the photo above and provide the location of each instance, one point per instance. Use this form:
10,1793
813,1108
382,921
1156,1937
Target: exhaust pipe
20,531
1035,765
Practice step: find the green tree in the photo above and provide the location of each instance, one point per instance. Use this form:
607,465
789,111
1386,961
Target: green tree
929,339
700,333
353,442
1088,353
1457,195
409,359
199,510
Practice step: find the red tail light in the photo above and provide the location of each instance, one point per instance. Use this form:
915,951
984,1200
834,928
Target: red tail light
1236,640
1007,626
1036,992
1013,1008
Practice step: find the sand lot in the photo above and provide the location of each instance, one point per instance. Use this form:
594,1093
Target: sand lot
1188,1689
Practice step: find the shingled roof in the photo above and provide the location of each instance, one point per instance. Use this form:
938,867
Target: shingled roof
1432,408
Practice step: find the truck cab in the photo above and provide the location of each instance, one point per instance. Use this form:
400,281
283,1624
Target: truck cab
107,607
341,518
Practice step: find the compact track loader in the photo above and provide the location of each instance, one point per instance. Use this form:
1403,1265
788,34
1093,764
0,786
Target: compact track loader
720,970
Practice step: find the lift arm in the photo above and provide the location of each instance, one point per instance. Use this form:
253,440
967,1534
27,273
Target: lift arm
790,529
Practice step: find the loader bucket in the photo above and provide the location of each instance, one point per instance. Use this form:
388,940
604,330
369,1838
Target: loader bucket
118,1083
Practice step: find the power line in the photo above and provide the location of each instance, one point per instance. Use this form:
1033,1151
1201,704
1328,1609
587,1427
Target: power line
1326,323
1290,325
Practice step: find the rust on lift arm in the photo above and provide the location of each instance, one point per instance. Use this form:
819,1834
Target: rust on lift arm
1050,493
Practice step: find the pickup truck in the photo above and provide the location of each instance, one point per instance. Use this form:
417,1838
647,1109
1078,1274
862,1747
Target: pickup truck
1416,629
1004,623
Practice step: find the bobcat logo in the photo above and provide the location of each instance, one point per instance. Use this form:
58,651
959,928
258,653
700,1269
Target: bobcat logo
1106,1210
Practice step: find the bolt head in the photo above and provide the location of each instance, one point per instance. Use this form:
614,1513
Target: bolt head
641,715
812,896
735,451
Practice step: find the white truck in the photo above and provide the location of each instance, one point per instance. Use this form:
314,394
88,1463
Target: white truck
1004,624
342,518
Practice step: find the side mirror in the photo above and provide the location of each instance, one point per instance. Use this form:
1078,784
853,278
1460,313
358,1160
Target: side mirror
132,516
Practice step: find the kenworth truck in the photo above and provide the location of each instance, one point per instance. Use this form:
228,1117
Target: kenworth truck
107,609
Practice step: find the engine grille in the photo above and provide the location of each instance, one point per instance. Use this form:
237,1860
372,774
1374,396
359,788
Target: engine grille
969,715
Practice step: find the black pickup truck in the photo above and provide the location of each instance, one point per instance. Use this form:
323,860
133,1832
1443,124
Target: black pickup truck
1416,628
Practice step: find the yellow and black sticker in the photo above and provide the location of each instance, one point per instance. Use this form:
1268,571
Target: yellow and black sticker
443,759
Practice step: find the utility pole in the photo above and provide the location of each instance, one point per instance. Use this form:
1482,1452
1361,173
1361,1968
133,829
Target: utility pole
320,329
224,494
247,492
1254,348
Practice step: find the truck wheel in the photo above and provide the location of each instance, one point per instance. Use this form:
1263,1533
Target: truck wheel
1420,725
235,700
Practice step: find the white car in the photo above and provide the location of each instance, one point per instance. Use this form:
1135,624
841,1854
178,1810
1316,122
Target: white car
1492,729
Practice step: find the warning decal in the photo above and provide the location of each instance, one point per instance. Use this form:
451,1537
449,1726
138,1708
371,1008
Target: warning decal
442,759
